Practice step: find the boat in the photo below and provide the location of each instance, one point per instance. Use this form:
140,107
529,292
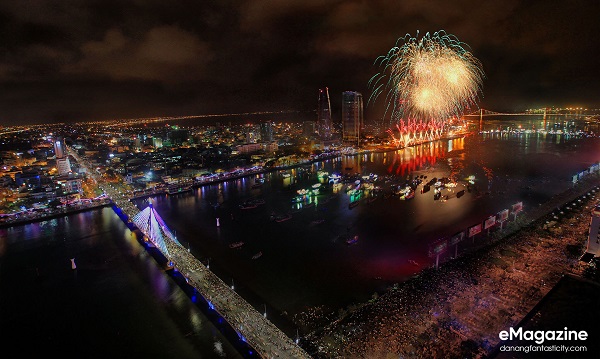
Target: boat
353,204
408,195
282,217
257,185
236,245
257,255
348,168
178,188
352,240
248,205
252,203
317,221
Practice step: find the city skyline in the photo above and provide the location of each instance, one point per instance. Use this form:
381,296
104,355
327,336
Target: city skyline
95,61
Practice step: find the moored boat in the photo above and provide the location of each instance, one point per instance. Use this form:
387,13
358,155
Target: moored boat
352,240
353,204
408,195
248,205
236,245
178,188
282,217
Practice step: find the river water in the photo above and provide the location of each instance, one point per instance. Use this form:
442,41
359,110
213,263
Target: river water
305,263
305,260
116,303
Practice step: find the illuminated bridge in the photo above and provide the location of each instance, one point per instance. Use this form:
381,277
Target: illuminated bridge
250,325
484,112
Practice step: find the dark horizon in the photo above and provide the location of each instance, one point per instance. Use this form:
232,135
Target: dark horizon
86,61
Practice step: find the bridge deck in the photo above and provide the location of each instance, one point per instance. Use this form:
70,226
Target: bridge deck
251,325
259,332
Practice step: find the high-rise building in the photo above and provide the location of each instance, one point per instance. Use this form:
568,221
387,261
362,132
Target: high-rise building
63,165
324,124
266,131
59,148
251,134
308,129
157,142
352,117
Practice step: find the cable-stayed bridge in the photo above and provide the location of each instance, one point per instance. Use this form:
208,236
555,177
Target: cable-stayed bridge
251,326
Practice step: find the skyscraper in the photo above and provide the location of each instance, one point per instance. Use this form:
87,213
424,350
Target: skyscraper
266,131
324,124
59,148
352,117
63,165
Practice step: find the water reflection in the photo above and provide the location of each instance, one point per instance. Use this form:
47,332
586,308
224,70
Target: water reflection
122,283
494,170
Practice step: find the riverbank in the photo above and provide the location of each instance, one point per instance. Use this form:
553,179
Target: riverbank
40,217
458,310
254,172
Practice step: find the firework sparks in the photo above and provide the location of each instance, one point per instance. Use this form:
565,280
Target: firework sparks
427,81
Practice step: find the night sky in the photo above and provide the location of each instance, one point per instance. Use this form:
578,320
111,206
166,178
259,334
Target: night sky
74,60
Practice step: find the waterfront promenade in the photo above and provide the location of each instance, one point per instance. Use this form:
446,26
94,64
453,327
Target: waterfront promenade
48,214
458,310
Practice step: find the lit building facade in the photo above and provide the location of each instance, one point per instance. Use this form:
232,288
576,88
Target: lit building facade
63,165
266,131
60,149
352,117
324,124
308,129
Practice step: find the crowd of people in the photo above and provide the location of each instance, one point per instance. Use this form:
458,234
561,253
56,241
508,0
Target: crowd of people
458,310
258,331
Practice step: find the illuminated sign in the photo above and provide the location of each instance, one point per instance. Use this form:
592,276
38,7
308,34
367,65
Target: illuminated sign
438,247
489,223
474,230
503,215
517,207
457,238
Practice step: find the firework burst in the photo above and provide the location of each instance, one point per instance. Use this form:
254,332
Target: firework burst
427,80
